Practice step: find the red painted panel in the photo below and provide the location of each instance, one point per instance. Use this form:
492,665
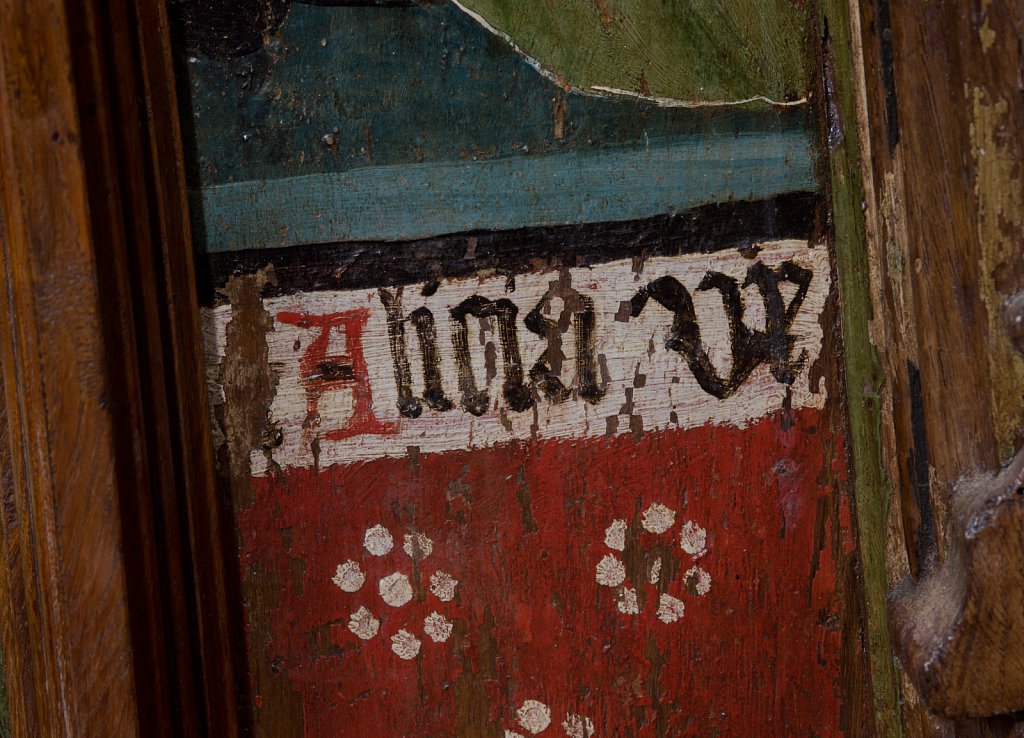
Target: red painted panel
522,528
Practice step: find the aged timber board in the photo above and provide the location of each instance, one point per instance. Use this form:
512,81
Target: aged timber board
522,384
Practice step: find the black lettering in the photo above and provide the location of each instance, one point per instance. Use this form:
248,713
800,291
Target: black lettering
503,311
422,319
749,347
777,343
578,311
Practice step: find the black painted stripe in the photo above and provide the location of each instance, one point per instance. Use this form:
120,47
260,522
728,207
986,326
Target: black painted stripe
892,119
367,264
927,544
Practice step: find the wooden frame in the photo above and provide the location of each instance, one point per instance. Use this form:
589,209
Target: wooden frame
112,581
934,92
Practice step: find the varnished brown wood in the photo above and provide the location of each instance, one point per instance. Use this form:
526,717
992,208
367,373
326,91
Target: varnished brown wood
960,630
65,575
111,588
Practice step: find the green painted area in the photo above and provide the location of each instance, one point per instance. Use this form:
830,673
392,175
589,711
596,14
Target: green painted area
864,376
344,88
699,50
369,123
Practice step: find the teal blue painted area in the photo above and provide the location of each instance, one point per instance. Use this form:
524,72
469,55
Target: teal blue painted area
580,186
390,123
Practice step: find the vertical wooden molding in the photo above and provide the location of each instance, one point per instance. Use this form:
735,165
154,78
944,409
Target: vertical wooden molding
937,103
113,594
71,666
841,65
202,538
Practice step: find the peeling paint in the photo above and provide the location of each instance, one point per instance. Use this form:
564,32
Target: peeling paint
986,33
578,726
249,383
363,624
697,581
520,408
627,603
615,535
693,539
442,586
370,410
996,149
437,627
654,573
417,546
405,645
658,518
534,716
555,621
378,540
610,572
670,609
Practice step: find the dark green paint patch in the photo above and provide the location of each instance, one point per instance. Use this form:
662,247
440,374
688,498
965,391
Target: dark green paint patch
401,123
864,376
343,88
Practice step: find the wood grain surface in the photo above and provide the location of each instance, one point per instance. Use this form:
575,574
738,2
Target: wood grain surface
938,106
106,488
66,612
958,628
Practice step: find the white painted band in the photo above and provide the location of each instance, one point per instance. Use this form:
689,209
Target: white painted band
646,385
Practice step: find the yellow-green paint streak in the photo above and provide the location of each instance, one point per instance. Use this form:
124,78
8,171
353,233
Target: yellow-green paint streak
864,374
703,51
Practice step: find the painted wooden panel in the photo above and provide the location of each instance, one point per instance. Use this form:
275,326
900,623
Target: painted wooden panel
524,380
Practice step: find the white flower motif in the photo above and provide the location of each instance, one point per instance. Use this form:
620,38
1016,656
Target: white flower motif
442,585
615,535
693,539
654,574
697,580
512,734
438,627
395,589
363,624
405,645
610,571
418,546
627,603
670,609
534,716
658,518
578,726
349,577
378,540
